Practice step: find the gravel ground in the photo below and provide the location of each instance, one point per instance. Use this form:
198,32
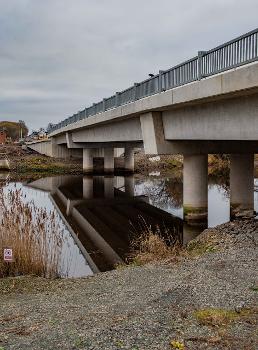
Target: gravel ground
144,308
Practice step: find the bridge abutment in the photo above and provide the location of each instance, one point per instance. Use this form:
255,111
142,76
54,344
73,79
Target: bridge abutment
195,192
59,151
241,185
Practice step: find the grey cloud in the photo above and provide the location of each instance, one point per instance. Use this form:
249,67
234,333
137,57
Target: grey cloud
58,56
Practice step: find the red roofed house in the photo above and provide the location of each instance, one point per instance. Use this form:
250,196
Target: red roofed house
2,137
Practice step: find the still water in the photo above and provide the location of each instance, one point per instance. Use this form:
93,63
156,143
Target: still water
101,216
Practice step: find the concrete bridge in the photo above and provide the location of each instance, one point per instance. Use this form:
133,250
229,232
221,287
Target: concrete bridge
208,104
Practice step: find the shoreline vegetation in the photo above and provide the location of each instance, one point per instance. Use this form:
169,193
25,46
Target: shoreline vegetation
27,163
34,235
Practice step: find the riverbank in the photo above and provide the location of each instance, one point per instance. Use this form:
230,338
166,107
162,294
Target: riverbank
29,164
26,163
207,300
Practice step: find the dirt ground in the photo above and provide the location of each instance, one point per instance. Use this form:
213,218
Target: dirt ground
207,300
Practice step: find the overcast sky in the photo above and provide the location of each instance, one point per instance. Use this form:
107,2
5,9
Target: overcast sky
60,56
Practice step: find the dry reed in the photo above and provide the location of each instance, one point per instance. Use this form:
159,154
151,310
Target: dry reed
155,244
33,233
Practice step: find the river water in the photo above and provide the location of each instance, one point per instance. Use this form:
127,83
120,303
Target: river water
101,216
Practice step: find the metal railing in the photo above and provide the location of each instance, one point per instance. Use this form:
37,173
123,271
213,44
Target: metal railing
234,53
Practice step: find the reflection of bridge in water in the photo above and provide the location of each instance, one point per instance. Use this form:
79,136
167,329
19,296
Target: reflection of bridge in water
105,217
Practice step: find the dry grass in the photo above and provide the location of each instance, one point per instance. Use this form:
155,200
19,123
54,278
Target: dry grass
154,244
215,317
34,235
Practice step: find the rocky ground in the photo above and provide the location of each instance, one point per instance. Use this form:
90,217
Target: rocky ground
208,300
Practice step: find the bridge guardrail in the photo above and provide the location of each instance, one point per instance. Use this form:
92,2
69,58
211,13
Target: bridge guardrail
234,53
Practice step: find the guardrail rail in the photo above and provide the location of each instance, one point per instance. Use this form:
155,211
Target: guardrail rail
237,52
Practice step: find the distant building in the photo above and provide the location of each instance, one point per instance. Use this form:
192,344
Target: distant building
2,137
37,135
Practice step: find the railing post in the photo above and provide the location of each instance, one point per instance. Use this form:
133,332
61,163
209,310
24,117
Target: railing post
160,80
200,56
135,91
117,99
104,104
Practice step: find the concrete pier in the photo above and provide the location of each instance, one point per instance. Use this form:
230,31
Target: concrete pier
109,163
242,185
195,193
129,159
88,160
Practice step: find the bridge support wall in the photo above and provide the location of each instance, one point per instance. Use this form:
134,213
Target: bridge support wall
195,193
242,184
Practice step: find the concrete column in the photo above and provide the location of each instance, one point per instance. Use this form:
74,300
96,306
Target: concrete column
87,187
87,160
109,160
242,184
109,187
195,193
129,159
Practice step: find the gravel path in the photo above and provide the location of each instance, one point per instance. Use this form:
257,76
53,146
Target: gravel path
143,308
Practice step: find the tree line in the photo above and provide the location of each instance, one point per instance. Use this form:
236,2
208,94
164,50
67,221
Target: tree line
14,130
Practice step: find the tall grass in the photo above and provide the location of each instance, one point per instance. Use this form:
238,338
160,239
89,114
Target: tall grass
155,244
34,235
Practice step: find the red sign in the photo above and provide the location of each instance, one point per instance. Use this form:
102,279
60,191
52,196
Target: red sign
8,254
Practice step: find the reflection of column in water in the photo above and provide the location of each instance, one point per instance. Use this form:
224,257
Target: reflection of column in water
190,232
109,186
109,160
87,187
98,186
129,186
119,182
129,159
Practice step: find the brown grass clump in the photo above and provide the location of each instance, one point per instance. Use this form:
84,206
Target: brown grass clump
222,317
154,245
34,235
215,317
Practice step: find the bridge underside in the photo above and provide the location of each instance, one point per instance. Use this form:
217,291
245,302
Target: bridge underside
216,115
